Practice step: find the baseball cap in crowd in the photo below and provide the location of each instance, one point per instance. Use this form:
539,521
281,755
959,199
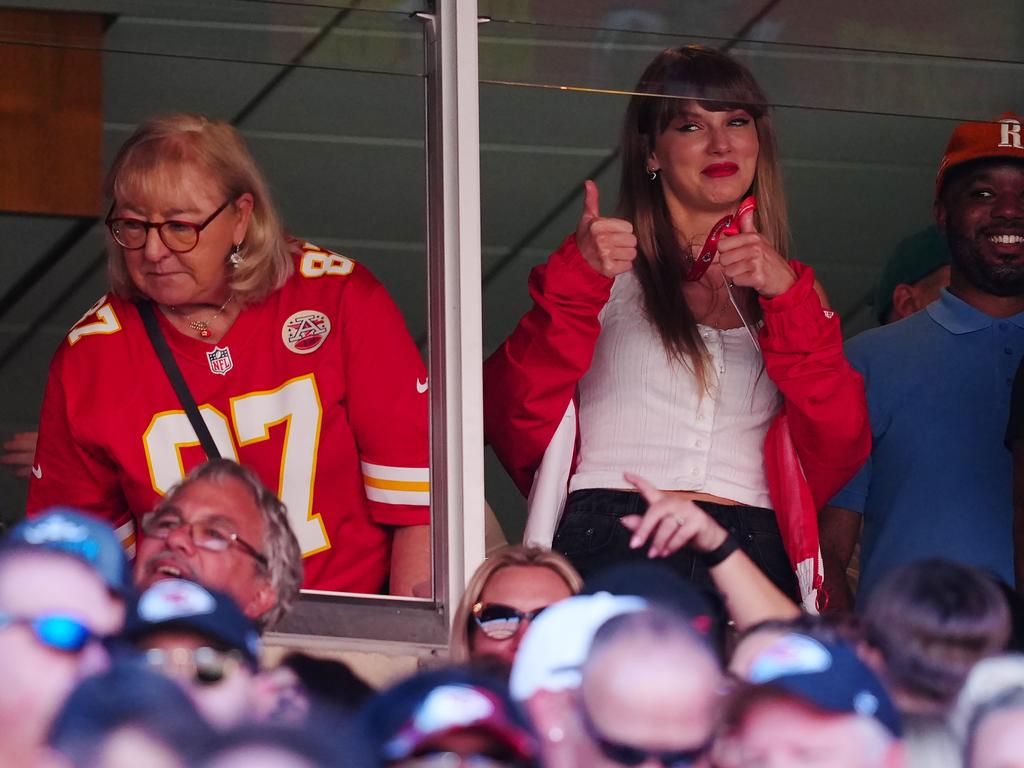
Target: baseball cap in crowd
1002,137
557,642
181,604
90,540
914,258
658,583
456,707
829,677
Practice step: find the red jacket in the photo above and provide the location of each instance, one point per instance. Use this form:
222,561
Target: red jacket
817,442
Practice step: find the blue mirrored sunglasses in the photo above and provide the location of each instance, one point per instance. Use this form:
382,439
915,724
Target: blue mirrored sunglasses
54,630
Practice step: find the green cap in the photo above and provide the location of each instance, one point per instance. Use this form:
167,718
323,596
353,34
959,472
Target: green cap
914,258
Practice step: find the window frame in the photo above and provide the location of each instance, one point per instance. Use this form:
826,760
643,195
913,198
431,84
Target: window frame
455,355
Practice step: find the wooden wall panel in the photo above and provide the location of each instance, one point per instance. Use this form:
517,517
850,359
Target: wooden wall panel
51,121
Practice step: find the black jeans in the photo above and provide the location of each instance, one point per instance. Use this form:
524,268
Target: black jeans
591,537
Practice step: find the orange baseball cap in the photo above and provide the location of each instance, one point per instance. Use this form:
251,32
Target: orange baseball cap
1002,137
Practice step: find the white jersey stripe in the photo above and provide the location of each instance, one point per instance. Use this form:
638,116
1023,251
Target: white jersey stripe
387,496
408,474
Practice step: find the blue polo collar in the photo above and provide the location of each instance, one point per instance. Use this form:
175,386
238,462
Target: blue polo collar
957,316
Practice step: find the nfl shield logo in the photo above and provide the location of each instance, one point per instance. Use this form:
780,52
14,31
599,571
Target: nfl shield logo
220,360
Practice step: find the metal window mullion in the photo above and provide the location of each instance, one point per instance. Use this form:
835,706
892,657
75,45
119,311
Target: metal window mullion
332,622
455,321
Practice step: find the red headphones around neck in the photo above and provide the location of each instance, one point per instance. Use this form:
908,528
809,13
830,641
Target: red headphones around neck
727,225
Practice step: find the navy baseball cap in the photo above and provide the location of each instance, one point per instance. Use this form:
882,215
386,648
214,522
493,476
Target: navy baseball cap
90,540
658,583
181,604
827,676
457,707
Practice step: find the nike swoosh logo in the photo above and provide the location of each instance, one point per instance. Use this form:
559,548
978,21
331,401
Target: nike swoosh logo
37,471
421,387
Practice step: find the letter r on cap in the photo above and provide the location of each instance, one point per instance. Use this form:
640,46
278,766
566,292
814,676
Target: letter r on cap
1009,134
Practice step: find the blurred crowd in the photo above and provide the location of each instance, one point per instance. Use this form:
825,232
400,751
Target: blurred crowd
635,666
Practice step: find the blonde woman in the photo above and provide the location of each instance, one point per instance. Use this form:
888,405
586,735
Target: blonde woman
299,363
512,586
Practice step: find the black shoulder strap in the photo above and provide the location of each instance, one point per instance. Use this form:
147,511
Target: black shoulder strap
177,380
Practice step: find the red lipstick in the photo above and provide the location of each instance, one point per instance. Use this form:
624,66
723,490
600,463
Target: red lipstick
718,170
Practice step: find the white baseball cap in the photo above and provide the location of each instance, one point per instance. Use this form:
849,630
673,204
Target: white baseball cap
557,642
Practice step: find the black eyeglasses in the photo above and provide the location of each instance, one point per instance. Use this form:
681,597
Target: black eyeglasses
178,236
500,622
627,754
211,534
54,630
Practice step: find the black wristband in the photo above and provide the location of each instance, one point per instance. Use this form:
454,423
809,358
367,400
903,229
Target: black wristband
719,553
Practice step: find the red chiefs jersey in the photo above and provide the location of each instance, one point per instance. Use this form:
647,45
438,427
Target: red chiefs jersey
319,389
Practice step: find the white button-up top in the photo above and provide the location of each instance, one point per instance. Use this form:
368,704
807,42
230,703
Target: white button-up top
642,411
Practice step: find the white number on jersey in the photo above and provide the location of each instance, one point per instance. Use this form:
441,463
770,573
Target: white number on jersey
106,322
316,262
296,404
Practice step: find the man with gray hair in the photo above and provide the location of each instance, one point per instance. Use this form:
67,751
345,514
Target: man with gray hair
222,528
648,694
547,668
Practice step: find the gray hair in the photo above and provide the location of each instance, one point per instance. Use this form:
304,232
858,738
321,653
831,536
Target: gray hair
280,547
987,680
654,628
1010,699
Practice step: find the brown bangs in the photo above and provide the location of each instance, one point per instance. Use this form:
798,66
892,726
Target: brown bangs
715,82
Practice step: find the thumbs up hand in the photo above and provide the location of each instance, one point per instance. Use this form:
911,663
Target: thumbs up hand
607,244
749,260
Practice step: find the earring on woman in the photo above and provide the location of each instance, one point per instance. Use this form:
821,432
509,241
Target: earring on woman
236,258
652,174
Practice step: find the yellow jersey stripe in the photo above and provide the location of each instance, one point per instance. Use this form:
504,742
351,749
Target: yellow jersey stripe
395,485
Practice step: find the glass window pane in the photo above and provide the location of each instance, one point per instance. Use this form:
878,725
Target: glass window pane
330,99
864,99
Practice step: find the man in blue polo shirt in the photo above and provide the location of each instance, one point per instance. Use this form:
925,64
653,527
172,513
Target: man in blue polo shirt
938,482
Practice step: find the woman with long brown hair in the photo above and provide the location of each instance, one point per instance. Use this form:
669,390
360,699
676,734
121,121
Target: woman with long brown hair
677,342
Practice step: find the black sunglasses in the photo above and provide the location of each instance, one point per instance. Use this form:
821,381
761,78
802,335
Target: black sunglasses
500,622
626,754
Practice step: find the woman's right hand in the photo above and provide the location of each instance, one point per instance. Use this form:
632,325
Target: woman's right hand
607,244
670,523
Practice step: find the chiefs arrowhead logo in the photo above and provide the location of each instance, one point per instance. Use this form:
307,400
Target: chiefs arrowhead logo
305,331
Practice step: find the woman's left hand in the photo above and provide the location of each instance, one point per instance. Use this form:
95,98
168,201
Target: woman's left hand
749,260
670,523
